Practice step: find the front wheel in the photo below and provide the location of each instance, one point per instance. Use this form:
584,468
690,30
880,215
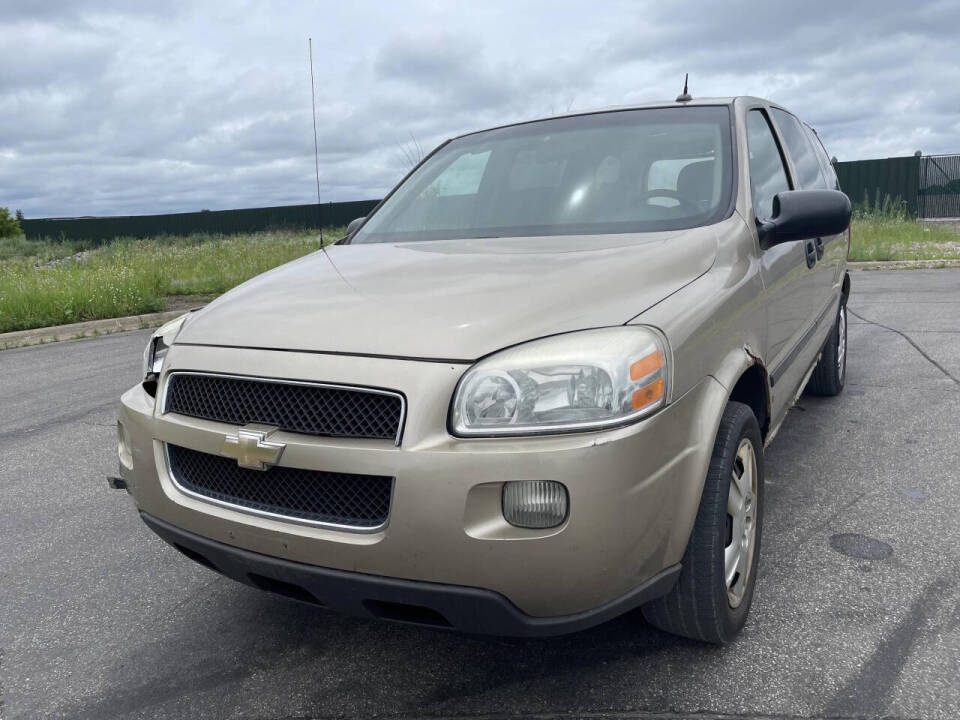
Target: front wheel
713,594
828,377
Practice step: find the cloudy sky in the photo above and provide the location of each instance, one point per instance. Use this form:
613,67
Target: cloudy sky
113,107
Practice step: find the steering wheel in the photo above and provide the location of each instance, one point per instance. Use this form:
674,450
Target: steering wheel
684,203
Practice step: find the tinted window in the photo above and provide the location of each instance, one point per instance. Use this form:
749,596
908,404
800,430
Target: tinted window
825,165
631,171
801,151
767,173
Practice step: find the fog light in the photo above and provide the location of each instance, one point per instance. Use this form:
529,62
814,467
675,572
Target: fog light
534,503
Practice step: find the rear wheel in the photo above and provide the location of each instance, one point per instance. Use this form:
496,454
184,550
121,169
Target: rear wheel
713,594
831,371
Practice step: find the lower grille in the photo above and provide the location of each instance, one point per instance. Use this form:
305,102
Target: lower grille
344,499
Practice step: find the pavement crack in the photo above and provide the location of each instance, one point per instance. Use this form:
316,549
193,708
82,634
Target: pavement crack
906,337
16,435
806,535
827,522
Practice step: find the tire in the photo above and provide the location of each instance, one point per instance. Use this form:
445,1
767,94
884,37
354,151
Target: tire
828,377
703,605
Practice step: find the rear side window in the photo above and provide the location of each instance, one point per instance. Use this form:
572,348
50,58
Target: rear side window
768,176
801,151
825,165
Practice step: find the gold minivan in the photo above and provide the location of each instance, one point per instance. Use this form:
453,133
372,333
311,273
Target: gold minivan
529,392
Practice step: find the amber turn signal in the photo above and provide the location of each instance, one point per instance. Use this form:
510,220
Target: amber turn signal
648,394
646,365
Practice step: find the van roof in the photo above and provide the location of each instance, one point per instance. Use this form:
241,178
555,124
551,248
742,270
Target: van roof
700,101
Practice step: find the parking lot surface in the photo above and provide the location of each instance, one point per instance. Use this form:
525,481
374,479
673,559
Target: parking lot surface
857,612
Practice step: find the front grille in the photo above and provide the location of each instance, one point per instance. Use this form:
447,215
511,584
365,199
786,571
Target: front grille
359,501
313,409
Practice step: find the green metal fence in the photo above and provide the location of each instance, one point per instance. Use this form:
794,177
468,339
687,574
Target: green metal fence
870,182
927,186
216,221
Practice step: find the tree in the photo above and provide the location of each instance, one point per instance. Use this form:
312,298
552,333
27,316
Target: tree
9,227
19,214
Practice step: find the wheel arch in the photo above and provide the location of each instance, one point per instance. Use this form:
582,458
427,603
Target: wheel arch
745,375
740,377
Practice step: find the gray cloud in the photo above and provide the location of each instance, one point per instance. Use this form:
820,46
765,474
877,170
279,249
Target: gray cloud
110,107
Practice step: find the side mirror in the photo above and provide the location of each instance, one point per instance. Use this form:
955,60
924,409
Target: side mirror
805,214
355,225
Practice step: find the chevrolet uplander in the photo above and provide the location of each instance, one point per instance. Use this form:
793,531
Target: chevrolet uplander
530,391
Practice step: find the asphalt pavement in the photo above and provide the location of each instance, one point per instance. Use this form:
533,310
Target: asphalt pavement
857,612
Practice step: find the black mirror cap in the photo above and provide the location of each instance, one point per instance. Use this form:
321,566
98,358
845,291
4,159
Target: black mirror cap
355,225
806,214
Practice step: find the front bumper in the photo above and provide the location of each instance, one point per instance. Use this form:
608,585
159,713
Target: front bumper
633,495
456,607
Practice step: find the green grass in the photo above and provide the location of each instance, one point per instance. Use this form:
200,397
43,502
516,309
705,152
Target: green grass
128,276
879,238
882,231
20,247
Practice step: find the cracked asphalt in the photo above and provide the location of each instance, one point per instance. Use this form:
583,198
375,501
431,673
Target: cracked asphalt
857,611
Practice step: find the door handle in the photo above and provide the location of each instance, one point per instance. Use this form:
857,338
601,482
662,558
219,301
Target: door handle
810,250
819,243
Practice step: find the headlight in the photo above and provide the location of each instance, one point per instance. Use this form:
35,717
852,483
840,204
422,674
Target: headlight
585,380
156,350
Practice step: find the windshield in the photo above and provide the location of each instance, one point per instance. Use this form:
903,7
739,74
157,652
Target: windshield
626,171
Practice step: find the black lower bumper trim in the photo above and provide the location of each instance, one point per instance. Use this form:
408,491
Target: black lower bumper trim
467,609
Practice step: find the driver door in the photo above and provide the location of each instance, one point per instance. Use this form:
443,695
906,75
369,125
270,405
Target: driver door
789,280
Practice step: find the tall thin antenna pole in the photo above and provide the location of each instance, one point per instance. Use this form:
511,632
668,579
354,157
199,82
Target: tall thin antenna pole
316,151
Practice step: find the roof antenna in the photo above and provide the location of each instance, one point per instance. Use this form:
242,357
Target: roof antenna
685,96
316,152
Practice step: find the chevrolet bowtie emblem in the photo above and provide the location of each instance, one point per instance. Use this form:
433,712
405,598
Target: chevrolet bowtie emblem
251,449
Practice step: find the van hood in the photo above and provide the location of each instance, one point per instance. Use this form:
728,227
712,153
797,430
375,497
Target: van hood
452,300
